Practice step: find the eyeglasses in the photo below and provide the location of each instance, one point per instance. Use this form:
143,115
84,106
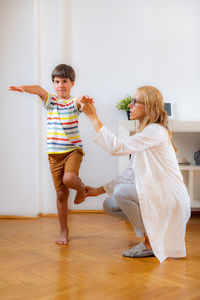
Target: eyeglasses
134,101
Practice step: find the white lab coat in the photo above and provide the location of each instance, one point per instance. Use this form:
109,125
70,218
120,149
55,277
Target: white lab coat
163,197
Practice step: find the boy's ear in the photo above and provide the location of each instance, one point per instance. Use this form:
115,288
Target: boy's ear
73,82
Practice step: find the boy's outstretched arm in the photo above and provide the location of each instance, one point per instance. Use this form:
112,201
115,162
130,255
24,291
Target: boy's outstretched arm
31,89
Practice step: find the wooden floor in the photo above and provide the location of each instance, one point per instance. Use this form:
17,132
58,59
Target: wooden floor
91,266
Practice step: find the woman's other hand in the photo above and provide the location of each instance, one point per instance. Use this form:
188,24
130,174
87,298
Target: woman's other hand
93,192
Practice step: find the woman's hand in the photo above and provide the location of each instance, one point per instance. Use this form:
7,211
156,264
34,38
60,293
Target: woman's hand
82,100
86,99
93,192
88,108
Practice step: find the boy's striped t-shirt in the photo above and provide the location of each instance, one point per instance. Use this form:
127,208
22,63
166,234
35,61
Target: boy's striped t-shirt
62,125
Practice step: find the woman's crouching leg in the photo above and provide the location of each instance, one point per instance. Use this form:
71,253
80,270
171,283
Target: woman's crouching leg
125,196
111,208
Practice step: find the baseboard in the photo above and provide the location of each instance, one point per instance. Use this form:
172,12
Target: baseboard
77,211
71,211
41,215
18,217
195,212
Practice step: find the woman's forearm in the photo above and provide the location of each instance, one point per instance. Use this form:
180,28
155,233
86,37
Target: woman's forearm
96,123
90,111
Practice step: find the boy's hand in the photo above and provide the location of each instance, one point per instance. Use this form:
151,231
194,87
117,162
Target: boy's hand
17,88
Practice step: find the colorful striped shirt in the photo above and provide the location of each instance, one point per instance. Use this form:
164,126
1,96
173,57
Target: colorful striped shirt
62,125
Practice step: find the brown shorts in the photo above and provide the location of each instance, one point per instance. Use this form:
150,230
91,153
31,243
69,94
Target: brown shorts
64,162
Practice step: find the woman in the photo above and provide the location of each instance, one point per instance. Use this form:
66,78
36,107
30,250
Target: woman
150,192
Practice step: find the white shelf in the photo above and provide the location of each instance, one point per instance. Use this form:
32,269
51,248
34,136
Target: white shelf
190,167
195,204
174,126
184,126
128,128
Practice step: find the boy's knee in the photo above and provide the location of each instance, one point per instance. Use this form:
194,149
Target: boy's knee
68,179
62,195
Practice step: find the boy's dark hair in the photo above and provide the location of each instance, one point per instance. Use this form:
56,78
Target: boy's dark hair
63,71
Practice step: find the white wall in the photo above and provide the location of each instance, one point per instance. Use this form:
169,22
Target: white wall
114,46
18,159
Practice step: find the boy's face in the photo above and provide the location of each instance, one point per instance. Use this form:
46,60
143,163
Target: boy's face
63,87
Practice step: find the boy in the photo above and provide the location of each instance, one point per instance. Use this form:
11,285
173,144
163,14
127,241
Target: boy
64,146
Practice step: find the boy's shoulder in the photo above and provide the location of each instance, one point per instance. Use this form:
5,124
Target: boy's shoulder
53,96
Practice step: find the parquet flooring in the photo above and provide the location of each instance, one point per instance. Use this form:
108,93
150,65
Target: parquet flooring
91,266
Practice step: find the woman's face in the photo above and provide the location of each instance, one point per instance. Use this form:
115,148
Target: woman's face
137,109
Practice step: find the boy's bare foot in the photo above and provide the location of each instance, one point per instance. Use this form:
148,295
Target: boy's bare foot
80,195
63,238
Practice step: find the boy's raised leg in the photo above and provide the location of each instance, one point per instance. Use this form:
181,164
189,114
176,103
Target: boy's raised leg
62,205
72,181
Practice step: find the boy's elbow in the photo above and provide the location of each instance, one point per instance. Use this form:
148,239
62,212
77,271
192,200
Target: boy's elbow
43,94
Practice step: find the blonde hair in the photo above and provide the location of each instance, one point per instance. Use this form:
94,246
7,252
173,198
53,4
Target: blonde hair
154,105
